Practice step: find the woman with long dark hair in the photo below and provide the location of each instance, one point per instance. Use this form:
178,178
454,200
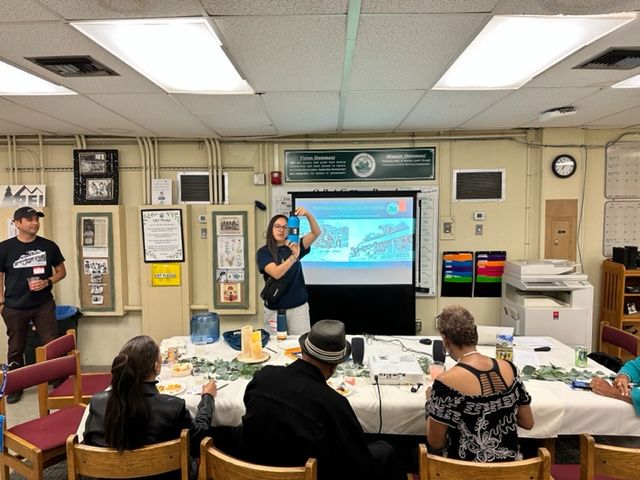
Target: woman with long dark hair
280,257
133,413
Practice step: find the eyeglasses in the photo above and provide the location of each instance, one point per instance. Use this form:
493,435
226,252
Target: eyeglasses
280,227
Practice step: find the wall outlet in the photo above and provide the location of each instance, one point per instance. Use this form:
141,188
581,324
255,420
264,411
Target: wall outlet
203,233
202,219
479,229
259,179
447,230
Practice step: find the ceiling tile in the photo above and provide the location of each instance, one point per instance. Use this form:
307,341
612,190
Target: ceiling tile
363,109
275,7
157,113
443,109
307,112
271,60
37,121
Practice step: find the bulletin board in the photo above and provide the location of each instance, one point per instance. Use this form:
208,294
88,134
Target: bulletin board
621,225
231,264
426,227
95,252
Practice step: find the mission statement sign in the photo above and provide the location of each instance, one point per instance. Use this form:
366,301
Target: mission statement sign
356,165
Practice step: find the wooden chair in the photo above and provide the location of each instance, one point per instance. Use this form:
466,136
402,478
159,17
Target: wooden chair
99,462
31,446
62,394
614,341
616,462
217,465
435,467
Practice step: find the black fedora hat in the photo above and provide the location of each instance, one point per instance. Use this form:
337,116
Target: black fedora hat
326,341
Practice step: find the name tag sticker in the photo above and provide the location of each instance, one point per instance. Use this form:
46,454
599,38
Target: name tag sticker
38,270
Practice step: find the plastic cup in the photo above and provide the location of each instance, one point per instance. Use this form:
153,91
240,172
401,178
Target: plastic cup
435,369
32,281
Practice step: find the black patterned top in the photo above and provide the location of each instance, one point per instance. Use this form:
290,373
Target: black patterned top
482,428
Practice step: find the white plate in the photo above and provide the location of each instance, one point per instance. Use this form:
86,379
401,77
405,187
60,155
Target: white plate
171,388
342,388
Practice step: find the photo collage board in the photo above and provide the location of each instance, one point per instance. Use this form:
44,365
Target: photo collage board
95,248
230,260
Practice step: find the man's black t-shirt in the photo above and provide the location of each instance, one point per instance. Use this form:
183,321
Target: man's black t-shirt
19,261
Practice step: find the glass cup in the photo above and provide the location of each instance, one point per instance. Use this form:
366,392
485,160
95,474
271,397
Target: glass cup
32,281
350,372
435,369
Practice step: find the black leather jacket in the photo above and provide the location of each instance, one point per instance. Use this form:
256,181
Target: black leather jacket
168,416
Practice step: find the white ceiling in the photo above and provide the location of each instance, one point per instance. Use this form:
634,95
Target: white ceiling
292,52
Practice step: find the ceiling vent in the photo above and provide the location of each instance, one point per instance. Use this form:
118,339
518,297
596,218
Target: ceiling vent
73,66
614,59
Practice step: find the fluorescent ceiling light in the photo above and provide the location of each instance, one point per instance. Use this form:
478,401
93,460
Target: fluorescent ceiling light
14,81
181,55
511,50
633,82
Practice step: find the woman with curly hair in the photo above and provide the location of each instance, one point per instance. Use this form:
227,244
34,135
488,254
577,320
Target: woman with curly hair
474,408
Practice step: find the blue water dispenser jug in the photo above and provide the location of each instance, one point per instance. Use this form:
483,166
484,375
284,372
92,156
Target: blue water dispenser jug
205,328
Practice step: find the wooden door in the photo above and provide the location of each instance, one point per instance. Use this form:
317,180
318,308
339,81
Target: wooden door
561,221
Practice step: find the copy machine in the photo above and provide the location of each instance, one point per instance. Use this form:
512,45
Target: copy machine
548,298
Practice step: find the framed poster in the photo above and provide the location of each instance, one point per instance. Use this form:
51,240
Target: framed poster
162,236
95,177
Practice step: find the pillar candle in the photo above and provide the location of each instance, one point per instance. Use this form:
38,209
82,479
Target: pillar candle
246,341
256,344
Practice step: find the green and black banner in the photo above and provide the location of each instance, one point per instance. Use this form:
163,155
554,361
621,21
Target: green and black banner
360,165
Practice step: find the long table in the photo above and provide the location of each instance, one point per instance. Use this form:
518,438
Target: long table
557,408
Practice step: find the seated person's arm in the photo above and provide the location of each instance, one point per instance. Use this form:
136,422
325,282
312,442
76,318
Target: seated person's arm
524,417
436,435
602,387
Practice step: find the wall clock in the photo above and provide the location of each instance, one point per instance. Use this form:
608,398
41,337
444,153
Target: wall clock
563,166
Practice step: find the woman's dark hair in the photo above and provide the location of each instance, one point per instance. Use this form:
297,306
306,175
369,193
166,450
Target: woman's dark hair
272,245
457,324
127,414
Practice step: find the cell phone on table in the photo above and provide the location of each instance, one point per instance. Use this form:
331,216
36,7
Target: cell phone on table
581,384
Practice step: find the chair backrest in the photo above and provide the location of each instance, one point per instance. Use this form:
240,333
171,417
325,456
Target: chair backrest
58,347
40,374
616,462
619,339
435,467
99,462
217,465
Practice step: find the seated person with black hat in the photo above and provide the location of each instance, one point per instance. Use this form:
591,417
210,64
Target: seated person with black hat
293,415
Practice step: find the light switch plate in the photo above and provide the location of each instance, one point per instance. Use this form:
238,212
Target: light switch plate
447,228
259,179
203,233
479,229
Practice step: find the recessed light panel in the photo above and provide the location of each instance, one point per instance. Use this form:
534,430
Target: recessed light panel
511,50
181,55
14,81
633,82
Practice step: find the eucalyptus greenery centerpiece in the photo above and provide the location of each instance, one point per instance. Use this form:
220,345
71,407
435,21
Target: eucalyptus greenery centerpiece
553,373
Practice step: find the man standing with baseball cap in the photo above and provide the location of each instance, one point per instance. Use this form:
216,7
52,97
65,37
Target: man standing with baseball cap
29,266
293,415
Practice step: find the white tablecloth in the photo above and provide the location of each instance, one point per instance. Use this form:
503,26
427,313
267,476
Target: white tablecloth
557,409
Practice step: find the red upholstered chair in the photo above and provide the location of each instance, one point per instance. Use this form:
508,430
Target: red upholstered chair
614,341
62,395
31,446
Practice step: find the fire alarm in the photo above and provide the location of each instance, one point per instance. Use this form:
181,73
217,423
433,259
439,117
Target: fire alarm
276,177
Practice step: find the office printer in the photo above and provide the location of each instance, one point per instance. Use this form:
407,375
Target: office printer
548,298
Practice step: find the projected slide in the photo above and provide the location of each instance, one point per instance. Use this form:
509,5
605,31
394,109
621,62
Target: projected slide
366,240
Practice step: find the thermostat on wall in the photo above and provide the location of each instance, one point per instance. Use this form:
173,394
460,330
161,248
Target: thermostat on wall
478,216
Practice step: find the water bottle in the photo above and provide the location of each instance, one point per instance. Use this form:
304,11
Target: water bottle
281,320
205,328
293,224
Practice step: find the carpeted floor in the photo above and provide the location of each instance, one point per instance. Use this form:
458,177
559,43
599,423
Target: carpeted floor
54,472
